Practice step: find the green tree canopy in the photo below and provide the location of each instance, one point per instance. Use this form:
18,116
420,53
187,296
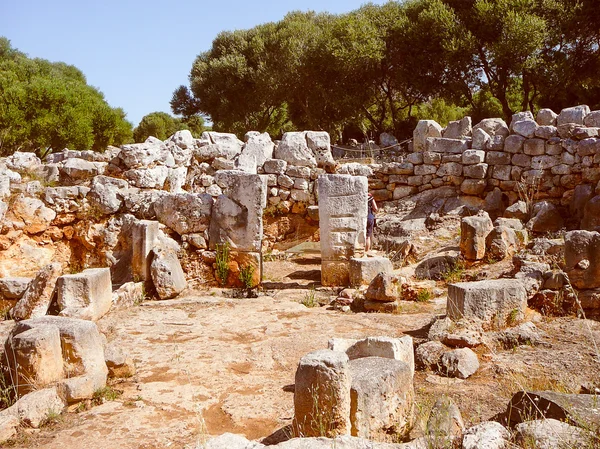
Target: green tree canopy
379,68
162,125
46,105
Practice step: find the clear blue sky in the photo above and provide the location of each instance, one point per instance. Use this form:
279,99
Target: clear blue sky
137,52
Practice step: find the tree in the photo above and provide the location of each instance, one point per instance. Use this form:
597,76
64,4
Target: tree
162,125
45,105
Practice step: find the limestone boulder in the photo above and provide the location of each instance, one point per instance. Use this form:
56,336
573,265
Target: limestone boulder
501,242
294,149
386,347
259,147
383,288
13,287
322,394
546,117
148,178
182,139
32,213
461,363
147,154
582,258
551,434
39,292
381,396
493,127
86,295
517,210
23,162
128,295
437,266
545,218
34,359
364,269
480,140
498,301
105,195
167,275
578,409
320,145
581,195
445,422
486,435
458,129
424,130
8,426
36,407
526,128
65,199
575,114
118,363
591,215
429,355
184,213
82,347
474,232
79,169
275,166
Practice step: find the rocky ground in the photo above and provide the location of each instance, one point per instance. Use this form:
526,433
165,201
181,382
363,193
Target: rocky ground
208,364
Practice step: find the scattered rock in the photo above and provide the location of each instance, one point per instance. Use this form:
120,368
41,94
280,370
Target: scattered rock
486,435
383,289
461,363
551,434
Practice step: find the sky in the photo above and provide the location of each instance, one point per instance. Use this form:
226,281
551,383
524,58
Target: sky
138,52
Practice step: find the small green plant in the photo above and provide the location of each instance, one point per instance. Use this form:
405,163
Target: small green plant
424,295
455,273
246,275
52,417
310,299
8,393
513,317
222,262
107,393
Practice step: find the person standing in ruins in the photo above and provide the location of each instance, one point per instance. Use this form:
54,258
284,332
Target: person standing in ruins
372,210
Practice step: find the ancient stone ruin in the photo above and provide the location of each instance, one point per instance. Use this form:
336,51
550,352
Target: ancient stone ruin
118,267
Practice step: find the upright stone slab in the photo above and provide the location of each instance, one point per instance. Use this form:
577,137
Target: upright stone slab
86,295
495,301
37,297
381,396
342,222
582,258
145,233
322,394
237,217
473,233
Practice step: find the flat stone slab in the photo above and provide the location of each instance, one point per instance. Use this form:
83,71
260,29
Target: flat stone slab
579,409
13,288
494,301
363,270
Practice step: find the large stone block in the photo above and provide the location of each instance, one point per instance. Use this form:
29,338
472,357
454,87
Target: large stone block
184,213
86,295
13,288
443,145
37,297
425,129
473,233
494,301
294,149
34,358
237,214
167,275
34,408
575,114
363,270
140,155
342,221
322,394
582,258
82,346
381,396
258,145
144,235
386,347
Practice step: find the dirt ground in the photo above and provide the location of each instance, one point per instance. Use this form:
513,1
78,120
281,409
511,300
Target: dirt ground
207,364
